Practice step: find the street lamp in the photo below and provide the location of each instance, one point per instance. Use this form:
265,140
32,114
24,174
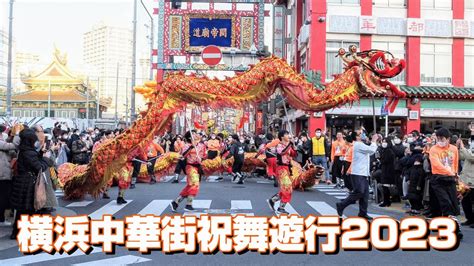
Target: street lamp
151,38
9,71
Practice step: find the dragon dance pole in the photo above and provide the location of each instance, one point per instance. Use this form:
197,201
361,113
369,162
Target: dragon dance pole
286,113
192,138
373,115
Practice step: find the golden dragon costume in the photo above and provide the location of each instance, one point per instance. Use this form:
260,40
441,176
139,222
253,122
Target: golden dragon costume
365,72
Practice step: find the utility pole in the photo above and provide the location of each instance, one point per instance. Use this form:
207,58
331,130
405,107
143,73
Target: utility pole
134,61
97,103
9,72
116,95
87,101
49,98
151,38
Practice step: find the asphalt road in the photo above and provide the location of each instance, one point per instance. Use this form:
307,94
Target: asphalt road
226,197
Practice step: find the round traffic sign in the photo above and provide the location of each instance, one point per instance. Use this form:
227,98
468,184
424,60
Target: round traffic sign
211,55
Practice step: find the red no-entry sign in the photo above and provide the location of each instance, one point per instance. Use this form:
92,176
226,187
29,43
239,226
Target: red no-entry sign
211,55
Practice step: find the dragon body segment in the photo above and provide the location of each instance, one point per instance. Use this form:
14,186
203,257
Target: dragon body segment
257,84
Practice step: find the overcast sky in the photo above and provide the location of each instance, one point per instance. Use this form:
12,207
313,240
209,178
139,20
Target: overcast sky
38,25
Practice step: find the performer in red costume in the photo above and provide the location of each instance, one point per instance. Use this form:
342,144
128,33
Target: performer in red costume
285,152
193,152
271,157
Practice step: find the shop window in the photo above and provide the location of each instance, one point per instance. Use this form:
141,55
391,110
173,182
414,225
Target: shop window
390,3
469,4
436,4
398,51
436,64
344,1
334,64
468,65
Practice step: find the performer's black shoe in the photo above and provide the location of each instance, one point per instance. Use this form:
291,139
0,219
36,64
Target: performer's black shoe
105,196
174,206
271,204
121,200
176,180
153,181
275,182
339,209
241,181
281,210
368,218
234,177
132,186
189,208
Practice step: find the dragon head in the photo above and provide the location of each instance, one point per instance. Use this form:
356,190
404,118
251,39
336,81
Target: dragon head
374,68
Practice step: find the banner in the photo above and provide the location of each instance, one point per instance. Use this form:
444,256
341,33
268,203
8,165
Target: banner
204,30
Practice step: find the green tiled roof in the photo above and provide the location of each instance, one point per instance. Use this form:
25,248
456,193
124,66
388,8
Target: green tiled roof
438,92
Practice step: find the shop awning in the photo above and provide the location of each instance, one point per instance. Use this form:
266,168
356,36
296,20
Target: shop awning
438,92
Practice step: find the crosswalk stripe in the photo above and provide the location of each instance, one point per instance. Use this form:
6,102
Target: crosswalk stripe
122,260
110,208
288,208
156,207
264,182
322,207
241,205
336,193
340,197
42,257
202,204
83,203
167,179
330,190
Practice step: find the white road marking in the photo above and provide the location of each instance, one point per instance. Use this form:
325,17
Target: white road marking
83,203
42,257
110,208
122,260
155,207
202,204
241,205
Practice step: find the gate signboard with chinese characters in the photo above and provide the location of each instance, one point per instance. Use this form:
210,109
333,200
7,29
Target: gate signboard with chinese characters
203,30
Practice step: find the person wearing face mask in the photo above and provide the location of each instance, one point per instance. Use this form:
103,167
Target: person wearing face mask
444,168
29,164
7,153
320,150
79,150
213,147
387,159
237,151
338,151
467,176
399,151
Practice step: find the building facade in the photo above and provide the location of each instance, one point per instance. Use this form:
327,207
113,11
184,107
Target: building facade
436,38
109,50
56,92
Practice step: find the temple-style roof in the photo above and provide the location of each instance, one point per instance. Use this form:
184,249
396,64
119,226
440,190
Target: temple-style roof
56,72
56,96
438,92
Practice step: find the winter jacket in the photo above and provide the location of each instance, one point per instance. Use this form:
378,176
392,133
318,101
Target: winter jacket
399,151
7,152
29,164
467,174
416,176
78,155
387,163
237,151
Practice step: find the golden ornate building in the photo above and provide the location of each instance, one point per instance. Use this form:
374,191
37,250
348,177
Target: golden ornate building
56,92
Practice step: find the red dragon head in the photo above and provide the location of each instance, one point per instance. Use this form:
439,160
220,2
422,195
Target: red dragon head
375,67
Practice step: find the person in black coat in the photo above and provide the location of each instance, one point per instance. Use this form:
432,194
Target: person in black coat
387,159
29,164
237,151
399,151
416,179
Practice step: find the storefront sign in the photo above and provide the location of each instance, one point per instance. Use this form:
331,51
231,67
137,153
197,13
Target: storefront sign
415,27
279,31
367,25
356,110
461,28
431,112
